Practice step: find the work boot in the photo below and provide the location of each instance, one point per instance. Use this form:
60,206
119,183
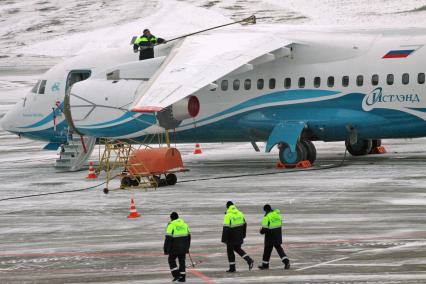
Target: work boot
286,262
264,266
182,278
176,274
250,262
231,268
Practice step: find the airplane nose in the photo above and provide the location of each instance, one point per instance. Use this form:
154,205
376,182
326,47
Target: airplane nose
8,122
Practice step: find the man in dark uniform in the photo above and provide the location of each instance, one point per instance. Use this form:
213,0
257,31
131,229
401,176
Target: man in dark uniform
233,234
272,229
176,245
145,44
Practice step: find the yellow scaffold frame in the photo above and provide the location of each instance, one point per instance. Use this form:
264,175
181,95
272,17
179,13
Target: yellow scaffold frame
113,160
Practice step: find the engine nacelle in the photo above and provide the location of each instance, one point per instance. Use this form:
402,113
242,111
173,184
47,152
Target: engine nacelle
172,116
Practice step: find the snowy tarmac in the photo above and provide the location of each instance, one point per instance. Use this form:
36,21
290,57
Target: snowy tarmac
363,222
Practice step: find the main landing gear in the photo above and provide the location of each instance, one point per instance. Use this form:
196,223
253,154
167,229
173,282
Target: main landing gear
305,150
363,147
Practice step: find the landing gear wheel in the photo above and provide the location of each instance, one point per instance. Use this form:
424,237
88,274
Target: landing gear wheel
311,151
290,158
362,147
375,143
171,179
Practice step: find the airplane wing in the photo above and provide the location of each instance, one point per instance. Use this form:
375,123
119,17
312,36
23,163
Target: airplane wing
199,60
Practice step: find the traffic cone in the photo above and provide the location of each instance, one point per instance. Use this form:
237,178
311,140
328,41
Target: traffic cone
133,213
197,149
92,173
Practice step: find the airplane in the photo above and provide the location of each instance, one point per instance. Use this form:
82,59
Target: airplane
285,85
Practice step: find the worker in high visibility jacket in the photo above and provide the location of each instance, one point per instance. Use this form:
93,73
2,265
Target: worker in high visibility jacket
176,245
145,44
272,229
233,234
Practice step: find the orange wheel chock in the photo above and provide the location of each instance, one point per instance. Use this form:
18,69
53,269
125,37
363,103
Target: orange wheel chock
304,164
379,150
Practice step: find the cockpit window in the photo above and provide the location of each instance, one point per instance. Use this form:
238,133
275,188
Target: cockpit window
42,87
35,88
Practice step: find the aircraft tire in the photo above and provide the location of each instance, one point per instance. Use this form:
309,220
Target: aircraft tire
171,179
311,151
289,158
361,148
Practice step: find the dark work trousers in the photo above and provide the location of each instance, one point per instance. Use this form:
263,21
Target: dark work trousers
268,250
231,256
173,267
146,53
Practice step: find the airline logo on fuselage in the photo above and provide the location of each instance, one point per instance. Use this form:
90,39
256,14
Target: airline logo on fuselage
378,99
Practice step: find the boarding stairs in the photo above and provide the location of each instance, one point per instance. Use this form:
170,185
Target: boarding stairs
75,154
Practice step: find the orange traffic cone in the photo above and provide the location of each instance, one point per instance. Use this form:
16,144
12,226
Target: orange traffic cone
197,149
92,173
133,213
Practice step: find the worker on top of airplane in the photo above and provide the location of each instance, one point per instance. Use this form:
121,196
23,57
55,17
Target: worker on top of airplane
272,229
233,234
176,245
145,43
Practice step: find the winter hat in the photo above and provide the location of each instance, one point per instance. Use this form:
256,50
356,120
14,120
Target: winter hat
229,203
267,208
174,216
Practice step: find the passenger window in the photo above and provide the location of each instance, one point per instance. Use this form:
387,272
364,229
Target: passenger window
375,80
272,83
389,79
421,78
405,78
35,88
42,87
345,81
330,81
317,82
287,83
224,85
247,84
260,84
359,80
236,85
301,82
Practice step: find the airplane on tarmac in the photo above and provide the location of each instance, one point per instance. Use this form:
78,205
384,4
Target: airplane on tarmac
284,85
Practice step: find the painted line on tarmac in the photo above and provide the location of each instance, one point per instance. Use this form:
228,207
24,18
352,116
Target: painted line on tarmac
201,275
322,263
92,254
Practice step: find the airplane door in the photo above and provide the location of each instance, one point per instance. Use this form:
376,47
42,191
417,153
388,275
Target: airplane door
76,76
73,77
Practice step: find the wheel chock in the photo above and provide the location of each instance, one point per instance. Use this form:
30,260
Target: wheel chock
280,165
379,150
304,164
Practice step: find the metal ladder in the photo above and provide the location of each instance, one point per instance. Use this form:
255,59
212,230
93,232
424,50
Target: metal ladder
75,154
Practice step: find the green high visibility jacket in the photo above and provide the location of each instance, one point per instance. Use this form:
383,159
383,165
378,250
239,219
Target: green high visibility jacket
234,226
178,238
145,41
272,227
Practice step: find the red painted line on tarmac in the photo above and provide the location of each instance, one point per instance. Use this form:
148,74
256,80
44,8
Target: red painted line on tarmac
91,254
200,275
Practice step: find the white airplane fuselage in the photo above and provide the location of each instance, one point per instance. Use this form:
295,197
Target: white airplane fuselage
370,82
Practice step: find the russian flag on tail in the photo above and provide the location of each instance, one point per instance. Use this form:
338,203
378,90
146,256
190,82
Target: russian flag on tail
403,53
